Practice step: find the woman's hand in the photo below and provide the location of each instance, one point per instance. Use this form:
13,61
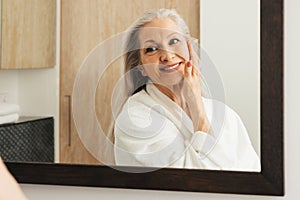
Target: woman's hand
9,186
192,92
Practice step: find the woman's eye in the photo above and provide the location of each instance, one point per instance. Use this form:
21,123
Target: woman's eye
150,49
173,41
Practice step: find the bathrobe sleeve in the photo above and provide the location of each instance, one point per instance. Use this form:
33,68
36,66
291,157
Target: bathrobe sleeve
144,136
231,149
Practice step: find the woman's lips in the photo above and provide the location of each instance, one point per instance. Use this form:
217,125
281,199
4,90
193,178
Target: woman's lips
170,68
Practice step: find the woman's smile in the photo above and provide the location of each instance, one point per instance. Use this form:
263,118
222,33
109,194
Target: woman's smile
171,67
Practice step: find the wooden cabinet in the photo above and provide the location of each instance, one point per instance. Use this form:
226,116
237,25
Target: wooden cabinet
28,31
84,24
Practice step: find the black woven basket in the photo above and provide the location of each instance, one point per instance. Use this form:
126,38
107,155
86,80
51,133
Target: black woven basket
28,140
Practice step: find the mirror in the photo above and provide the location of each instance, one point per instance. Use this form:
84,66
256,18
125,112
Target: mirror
271,133
83,144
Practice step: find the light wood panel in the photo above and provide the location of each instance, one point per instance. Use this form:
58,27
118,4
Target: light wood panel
28,34
80,32
84,25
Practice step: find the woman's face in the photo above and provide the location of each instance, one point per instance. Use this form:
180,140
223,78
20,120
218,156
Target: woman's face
163,52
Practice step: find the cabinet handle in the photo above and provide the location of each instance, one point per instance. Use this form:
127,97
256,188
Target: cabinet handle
69,120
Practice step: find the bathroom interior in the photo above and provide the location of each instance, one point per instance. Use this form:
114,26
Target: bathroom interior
44,45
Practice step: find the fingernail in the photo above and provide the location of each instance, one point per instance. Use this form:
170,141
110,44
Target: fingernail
189,64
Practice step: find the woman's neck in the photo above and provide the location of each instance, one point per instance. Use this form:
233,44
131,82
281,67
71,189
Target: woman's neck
175,94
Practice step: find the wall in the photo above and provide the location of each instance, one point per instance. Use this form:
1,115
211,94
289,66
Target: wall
230,35
292,136
28,89
9,86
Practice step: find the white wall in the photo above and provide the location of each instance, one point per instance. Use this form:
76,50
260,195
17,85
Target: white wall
292,136
9,86
38,91
35,90
230,35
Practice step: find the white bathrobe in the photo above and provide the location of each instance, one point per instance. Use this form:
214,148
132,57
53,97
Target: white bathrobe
152,130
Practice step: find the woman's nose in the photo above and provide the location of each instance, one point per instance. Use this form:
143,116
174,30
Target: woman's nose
166,55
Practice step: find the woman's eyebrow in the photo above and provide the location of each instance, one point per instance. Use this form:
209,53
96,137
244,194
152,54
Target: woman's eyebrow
150,41
174,33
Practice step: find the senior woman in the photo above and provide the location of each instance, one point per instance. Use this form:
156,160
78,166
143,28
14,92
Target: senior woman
166,122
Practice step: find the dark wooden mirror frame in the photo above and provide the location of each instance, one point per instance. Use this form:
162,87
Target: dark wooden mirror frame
270,181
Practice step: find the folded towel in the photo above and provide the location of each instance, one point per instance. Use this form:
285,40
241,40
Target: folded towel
9,118
7,108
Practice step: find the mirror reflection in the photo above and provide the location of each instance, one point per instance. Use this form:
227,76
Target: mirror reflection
84,26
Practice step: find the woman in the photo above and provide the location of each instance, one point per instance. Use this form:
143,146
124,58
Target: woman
166,122
9,187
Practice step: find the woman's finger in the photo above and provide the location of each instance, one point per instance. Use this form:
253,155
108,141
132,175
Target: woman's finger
188,69
191,55
190,48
